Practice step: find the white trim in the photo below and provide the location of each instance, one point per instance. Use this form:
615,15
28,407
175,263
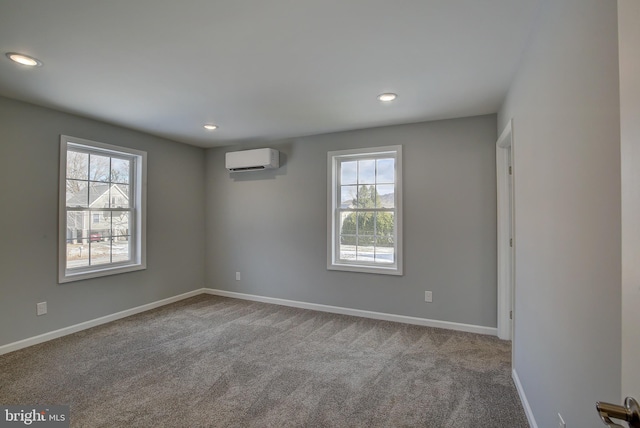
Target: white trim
504,156
470,328
138,181
523,399
332,259
94,322
504,140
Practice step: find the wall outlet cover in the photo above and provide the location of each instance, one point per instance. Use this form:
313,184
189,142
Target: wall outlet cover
41,308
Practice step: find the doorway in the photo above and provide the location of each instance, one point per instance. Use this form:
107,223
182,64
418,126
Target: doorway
505,238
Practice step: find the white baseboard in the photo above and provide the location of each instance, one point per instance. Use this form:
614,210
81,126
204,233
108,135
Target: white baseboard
523,399
10,347
358,312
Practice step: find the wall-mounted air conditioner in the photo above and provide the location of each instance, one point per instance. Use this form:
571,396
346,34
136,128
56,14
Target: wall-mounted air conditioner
252,160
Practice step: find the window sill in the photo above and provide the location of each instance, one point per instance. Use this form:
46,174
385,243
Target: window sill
392,270
107,271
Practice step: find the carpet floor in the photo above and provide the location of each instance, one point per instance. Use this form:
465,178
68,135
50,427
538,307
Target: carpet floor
211,361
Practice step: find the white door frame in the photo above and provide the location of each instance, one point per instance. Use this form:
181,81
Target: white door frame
506,264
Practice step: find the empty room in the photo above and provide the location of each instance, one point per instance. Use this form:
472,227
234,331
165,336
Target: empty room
355,213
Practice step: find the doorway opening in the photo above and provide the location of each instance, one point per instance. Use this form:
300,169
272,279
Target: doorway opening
506,238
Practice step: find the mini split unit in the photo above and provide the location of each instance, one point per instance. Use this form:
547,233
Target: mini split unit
252,160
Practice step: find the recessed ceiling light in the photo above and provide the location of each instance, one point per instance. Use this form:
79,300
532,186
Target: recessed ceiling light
210,127
388,96
23,59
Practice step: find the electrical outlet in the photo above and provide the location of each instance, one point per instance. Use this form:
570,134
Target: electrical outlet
237,276
428,296
561,423
41,308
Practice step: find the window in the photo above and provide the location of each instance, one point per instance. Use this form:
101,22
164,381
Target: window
97,236
365,210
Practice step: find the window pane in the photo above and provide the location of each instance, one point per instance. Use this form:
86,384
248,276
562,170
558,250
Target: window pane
77,165
349,172
98,195
77,194
100,226
99,167
119,196
77,253
386,196
121,249
385,172
100,252
120,170
76,226
385,225
365,250
367,171
366,224
385,250
348,196
121,236
121,224
366,197
348,223
348,247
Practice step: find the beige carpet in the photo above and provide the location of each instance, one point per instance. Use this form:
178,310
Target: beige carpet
218,362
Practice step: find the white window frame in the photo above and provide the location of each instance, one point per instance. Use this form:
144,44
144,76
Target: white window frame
333,215
138,203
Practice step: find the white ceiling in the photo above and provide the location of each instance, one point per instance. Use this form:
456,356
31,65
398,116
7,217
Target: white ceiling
263,69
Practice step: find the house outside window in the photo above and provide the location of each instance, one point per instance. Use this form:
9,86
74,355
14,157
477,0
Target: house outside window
98,236
365,210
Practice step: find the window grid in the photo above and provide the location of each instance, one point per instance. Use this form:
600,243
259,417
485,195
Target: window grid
97,212
357,210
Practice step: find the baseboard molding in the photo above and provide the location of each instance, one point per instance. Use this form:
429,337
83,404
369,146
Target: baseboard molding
523,399
94,322
14,346
358,312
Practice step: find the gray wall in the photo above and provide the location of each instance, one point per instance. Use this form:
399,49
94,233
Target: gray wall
629,40
29,164
272,225
565,106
